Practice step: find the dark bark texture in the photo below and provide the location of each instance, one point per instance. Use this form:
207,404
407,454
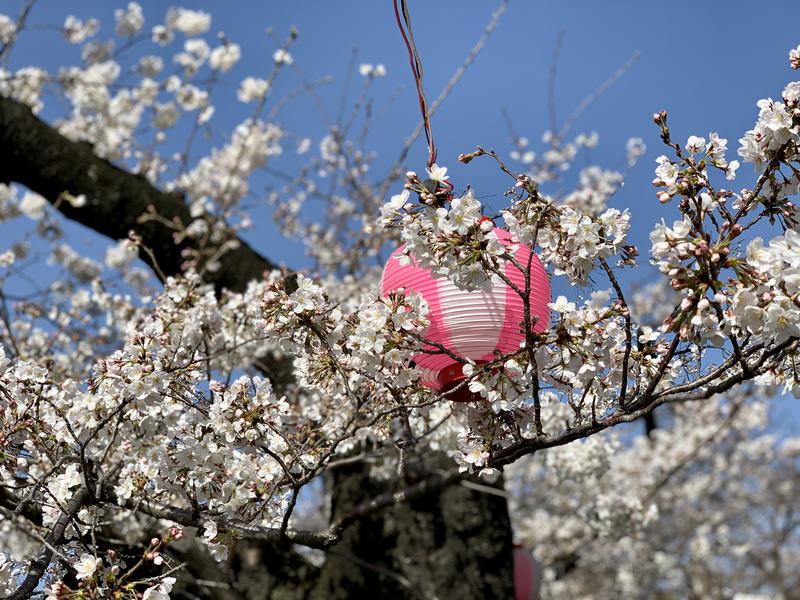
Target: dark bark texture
450,543
37,156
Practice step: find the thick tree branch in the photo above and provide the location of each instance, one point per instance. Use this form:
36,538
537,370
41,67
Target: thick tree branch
40,563
312,539
34,154
18,505
645,404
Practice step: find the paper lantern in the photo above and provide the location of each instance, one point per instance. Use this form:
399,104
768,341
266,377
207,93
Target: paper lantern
527,575
472,324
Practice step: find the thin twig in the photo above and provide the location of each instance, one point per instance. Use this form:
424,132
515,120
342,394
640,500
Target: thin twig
643,406
18,26
628,330
551,82
599,91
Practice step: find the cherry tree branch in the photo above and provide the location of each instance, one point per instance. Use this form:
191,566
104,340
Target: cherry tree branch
18,26
40,563
34,154
643,405
312,539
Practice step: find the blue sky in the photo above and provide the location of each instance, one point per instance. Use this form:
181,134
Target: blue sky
706,62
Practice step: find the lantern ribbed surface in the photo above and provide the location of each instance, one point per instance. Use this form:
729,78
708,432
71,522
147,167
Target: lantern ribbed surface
472,324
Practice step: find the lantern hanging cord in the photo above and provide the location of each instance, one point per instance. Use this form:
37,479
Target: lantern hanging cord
416,69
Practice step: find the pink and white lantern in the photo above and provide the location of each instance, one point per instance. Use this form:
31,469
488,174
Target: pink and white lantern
471,324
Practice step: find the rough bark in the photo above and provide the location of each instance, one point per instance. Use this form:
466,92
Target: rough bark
35,155
454,543
254,571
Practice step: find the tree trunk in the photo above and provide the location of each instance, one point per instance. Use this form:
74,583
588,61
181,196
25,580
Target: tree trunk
452,543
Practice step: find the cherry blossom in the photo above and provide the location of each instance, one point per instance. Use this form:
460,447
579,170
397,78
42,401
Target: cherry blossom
149,399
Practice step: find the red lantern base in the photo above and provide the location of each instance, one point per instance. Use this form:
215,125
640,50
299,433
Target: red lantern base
449,378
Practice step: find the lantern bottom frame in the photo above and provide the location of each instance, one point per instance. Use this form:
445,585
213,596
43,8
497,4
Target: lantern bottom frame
451,377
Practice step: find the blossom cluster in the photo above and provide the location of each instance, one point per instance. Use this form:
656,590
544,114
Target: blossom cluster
346,357
147,397
607,518
452,241
768,309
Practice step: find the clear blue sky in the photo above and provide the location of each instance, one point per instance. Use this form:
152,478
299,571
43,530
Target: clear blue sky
707,62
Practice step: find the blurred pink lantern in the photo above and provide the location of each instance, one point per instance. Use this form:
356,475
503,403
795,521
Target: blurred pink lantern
527,575
473,325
